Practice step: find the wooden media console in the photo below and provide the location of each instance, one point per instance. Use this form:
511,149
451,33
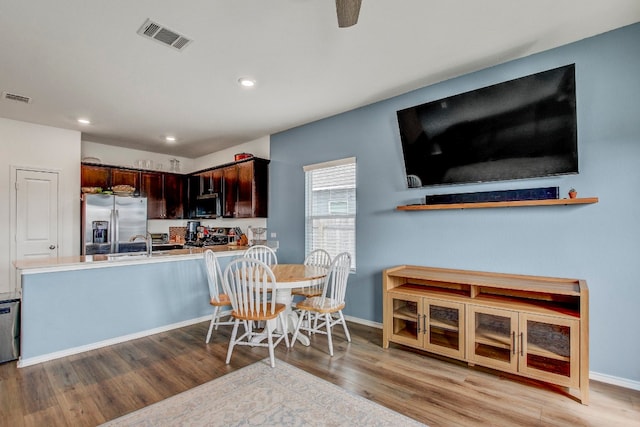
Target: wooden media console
532,326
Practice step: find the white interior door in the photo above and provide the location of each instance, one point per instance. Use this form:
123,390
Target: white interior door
36,214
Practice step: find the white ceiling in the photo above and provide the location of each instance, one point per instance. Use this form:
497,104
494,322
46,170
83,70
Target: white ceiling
84,58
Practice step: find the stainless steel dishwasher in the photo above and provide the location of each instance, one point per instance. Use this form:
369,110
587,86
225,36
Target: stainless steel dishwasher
9,329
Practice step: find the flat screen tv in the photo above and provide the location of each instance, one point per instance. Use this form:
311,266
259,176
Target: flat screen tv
518,129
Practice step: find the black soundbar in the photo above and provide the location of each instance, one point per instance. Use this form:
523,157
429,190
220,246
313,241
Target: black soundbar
542,193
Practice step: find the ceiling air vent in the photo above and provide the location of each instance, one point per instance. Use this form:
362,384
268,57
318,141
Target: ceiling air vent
16,97
163,35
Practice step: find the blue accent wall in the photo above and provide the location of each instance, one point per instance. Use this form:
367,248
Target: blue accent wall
599,243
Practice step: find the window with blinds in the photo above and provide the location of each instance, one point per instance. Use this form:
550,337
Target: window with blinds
330,207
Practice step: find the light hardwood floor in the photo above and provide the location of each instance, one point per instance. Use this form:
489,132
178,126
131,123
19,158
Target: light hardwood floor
90,388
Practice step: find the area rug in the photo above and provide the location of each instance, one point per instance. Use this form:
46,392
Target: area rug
259,395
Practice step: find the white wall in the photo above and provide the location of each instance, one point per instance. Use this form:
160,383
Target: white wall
126,157
258,147
40,147
120,156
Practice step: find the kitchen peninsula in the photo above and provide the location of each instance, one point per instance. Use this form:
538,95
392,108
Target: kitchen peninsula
76,304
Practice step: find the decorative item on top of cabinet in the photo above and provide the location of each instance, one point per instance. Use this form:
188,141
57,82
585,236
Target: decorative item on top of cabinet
536,327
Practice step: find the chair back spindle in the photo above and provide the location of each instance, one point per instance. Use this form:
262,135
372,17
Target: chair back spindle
214,275
335,287
262,253
249,281
319,257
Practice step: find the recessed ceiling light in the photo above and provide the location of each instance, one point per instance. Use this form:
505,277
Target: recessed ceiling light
170,138
246,82
84,121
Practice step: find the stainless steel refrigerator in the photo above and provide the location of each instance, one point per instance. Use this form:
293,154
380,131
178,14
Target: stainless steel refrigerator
109,223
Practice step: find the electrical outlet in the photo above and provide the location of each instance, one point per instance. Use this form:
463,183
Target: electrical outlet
274,235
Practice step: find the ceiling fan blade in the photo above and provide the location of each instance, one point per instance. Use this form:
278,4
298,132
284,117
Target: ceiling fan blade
348,11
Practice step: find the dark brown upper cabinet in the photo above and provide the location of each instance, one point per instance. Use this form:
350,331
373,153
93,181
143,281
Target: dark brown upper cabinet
165,192
243,188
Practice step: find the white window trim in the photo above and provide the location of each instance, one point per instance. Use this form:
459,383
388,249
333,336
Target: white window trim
329,164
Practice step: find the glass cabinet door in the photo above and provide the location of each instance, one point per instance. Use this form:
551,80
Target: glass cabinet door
549,349
492,338
444,327
407,325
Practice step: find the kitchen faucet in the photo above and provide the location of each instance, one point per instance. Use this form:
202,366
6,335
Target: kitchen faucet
147,238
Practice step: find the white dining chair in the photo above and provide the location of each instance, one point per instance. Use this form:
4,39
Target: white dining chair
248,281
218,300
262,253
328,306
318,258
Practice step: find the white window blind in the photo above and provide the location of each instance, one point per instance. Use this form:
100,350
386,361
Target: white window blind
330,207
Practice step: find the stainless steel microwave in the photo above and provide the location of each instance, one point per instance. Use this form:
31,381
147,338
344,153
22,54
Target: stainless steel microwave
208,206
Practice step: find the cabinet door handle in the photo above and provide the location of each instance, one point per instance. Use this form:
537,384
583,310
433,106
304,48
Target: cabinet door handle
513,341
521,343
418,322
424,323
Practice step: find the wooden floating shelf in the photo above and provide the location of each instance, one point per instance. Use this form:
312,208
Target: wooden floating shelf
513,204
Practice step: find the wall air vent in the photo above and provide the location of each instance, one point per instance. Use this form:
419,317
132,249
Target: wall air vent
163,35
16,97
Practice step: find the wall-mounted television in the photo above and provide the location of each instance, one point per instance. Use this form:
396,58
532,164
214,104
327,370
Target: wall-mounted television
518,129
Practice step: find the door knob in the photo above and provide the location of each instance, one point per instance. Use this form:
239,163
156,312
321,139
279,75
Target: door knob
52,247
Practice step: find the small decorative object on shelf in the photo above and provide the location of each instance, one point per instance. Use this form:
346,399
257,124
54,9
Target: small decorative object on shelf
573,193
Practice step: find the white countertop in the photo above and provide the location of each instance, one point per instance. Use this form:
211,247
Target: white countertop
46,265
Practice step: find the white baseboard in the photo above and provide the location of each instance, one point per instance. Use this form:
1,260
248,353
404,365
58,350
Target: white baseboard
610,379
363,322
603,378
71,351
